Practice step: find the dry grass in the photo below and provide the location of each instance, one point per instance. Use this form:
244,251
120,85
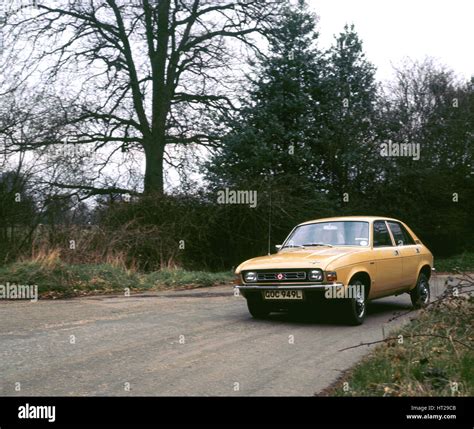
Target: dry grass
57,279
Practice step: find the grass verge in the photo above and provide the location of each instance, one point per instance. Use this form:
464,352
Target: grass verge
458,263
413,365
56,279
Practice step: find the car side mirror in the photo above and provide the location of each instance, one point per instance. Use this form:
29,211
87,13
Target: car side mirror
278,247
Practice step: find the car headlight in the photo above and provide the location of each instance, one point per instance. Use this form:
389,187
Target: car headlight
316,275
250,276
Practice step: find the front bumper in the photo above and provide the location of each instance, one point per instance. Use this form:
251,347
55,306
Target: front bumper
312,293
316,287
315,290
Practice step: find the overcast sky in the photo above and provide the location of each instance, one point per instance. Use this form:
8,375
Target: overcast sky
392,30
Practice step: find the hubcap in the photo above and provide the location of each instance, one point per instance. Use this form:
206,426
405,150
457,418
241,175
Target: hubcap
360,304
424,292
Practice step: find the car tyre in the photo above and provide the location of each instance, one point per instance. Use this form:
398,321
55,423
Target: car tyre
257,308
420,294
355,309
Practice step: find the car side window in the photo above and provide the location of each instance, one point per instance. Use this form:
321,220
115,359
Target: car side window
408,238
400,234
381,234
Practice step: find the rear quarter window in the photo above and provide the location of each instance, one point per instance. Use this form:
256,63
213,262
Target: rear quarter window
381,234
400,234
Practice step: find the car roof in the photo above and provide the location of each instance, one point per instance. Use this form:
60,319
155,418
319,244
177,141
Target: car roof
353,218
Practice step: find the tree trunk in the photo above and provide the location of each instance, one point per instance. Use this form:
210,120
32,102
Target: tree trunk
154,153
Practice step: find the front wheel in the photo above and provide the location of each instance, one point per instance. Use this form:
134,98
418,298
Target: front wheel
420,295
355,308
257,308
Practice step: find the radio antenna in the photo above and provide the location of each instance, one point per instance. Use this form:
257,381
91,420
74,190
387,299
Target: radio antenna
270,223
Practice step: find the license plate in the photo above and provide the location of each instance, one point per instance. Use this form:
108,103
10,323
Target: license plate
283,294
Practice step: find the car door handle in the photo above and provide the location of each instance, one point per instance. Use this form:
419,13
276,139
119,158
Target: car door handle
396,253
417,250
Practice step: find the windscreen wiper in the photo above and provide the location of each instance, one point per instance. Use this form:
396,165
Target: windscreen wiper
295,245
318,244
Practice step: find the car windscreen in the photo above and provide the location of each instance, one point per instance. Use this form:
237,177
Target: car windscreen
340,233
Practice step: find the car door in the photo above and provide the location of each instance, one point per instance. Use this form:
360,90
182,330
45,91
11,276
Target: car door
409,251
387,260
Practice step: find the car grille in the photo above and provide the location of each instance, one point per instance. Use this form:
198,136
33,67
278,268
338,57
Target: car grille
277,276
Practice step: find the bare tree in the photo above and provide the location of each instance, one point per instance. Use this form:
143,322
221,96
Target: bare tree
145,74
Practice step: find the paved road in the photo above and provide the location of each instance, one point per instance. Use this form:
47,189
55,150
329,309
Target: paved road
199,342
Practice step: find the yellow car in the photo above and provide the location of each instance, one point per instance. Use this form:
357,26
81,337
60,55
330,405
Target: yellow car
350,259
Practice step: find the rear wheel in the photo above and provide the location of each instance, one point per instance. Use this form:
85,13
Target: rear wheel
355,308
420,295
257,308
